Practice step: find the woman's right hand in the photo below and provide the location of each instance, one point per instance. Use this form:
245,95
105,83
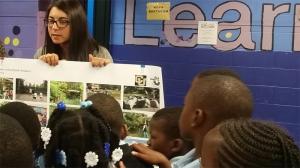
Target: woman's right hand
51,59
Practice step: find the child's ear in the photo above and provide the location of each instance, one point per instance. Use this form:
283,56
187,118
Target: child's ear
177,145
123,132
198,117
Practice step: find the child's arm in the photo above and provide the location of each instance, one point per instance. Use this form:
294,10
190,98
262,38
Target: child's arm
150,156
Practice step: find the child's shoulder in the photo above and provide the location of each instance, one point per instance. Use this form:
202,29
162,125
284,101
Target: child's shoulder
131,161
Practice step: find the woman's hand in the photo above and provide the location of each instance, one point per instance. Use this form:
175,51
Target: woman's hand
98,62
51,59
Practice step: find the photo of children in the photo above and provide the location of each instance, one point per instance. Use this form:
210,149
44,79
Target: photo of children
141,98
112,90
6,88
31,90
68,92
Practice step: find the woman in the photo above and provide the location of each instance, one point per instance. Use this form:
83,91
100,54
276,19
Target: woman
66,36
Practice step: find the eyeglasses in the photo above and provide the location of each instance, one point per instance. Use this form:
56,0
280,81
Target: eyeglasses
60,23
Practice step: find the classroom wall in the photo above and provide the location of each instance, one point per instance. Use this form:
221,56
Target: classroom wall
260,39
18,26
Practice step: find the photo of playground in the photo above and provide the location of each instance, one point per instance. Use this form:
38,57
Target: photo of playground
6,88
31,90
138,124
141,98
69,92
112,90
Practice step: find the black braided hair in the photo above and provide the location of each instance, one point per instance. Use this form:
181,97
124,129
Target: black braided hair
250,143
112,137
109,109
76,133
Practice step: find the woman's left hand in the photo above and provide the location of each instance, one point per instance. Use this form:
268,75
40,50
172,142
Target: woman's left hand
98,62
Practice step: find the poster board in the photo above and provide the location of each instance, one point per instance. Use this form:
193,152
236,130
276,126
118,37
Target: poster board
138,88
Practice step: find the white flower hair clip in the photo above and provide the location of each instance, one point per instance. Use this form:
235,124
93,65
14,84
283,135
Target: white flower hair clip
45,135
91,159
117,155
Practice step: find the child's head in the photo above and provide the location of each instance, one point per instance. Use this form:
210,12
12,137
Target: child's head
248,143
27,117
210,100
164,133
76,133
15,145
219,71
110,109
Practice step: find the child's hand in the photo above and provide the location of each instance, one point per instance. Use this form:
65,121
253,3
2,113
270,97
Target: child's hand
121,165
150,156
51,59
97,61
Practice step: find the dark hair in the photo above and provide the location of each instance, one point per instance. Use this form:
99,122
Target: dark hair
77,133
110,109
26,116
249,143
219,71
223,97
79,43
15,145
171,116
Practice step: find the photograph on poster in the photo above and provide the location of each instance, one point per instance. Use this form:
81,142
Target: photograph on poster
141,98
41,112
68,92
3,102
112,90
6,88
73,85
34,90
138,124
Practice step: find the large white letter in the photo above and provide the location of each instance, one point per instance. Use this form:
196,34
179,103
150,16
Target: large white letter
296,37
243,24
129,28
269,14
174,23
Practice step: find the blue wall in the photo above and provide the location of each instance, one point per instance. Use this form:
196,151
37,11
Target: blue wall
273,75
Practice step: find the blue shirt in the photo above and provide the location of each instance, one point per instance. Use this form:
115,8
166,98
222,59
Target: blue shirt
189,160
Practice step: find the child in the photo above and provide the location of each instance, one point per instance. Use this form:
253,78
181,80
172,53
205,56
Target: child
210,100
27,117
248,143
15,145
78,139
164,133
108,107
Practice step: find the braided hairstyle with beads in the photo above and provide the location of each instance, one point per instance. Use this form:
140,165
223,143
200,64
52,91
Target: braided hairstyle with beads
250,143
76,133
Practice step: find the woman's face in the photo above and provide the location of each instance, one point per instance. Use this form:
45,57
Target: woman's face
58,26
